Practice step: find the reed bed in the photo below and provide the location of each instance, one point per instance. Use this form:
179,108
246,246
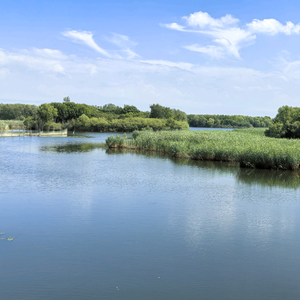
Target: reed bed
11,124
249,147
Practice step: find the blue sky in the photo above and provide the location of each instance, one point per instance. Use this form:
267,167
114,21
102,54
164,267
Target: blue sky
218,57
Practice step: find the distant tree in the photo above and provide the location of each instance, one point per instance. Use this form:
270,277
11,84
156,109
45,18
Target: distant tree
29,123
228,121
171,123
179,115
84,121
130,109
210,122
217,123
16,111
160,112
286,124
112,108
46,112
67,99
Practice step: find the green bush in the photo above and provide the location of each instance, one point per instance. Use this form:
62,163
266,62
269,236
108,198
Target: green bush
286,124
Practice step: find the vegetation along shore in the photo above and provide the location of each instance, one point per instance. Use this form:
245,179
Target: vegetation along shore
56,116
249,147
273,146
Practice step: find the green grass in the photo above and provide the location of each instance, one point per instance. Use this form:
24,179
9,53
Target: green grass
11,124
249,147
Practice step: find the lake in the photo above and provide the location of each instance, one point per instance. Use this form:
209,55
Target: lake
91,223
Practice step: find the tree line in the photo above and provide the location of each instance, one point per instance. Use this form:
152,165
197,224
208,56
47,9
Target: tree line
83,117
17,111
66,114
228,121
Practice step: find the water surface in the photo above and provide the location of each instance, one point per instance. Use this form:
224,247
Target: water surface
96,224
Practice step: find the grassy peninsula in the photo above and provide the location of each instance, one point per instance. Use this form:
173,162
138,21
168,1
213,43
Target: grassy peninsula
249,147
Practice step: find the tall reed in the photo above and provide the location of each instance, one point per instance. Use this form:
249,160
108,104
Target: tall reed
249,147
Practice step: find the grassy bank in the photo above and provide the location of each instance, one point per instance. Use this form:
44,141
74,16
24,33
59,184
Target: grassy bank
249,147
11,124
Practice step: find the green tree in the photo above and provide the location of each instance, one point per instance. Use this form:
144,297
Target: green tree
179,115
130,109
16,111
67,99
171,123
210,122
286,124
29,123
46,112
160,112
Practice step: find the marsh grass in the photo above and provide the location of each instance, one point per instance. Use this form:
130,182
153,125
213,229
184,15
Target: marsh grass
11,124
249,147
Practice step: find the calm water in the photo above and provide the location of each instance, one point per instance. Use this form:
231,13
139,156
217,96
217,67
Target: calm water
95,224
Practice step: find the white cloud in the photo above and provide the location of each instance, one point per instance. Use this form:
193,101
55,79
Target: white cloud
46,76
272,27
227,36
125,44
211,50
41,64
121,40
229,41
203,19
258,87
224,32
4,73
86,38
174,26
180,65
130,54
49,53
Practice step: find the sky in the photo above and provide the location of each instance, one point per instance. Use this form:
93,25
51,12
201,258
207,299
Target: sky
202,57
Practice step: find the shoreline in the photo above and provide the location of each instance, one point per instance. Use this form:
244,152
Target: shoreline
62,133
250,148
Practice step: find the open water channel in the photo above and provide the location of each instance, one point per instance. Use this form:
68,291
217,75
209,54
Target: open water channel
89,223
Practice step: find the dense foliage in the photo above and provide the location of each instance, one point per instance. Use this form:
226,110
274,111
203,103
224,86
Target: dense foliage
226,121
286,124
83,117
16,111
250,147
110,117
84,123
163,112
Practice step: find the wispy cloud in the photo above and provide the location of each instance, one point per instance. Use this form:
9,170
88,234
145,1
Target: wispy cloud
119,75
227,36
86,38
33,59
125,44
121,41
172,83
49,53
211,50
171,64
